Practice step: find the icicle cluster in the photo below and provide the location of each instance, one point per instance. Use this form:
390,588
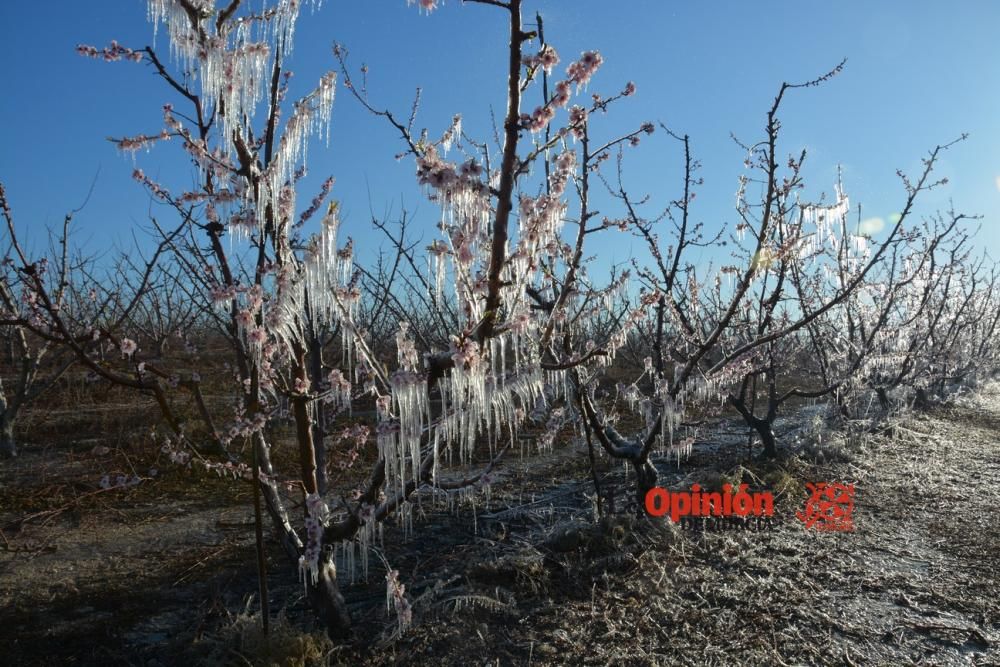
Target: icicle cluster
826,220
395,599
406,416
233,62
310,117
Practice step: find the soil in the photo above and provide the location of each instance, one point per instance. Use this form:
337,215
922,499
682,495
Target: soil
163,573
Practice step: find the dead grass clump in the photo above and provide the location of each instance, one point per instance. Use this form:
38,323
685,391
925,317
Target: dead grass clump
784,482
828,448
525,568
241,641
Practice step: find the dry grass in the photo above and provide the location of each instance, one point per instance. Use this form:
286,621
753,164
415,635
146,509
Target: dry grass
241,642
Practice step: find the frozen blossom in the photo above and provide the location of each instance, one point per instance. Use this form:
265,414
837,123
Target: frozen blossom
581,71
128,347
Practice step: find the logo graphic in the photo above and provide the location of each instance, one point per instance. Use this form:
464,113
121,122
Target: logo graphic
830,506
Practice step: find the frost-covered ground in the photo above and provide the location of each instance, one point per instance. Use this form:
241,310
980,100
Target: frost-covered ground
155,575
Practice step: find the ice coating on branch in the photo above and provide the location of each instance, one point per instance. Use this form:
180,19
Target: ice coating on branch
310,117
234,63
403,417
439,265
465,218
339,391
826,220
327,270
317,519
395,599
321,287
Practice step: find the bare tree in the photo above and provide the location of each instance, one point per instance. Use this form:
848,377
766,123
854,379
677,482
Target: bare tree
27,354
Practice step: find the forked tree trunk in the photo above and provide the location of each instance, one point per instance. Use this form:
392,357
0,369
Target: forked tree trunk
763,427
324,596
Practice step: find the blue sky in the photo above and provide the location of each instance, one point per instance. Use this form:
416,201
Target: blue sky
919,73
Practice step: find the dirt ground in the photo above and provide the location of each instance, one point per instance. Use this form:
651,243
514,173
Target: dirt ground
159,574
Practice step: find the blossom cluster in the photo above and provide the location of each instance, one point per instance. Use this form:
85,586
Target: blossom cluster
441,175
581,71
243,427
578,73
541,217
317,201
175,455
111,53
140,141
356,436
338,394
155,188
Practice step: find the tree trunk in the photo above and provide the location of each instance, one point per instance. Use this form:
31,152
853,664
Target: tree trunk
766,433
8,446
324,596
327,601
761,426
845,410
922,401
645,479
883,399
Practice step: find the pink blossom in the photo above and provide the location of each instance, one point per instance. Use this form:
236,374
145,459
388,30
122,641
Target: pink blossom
583,69
539,118
466,353
128,347
548,58
561,96
471,168
244,318
426,5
